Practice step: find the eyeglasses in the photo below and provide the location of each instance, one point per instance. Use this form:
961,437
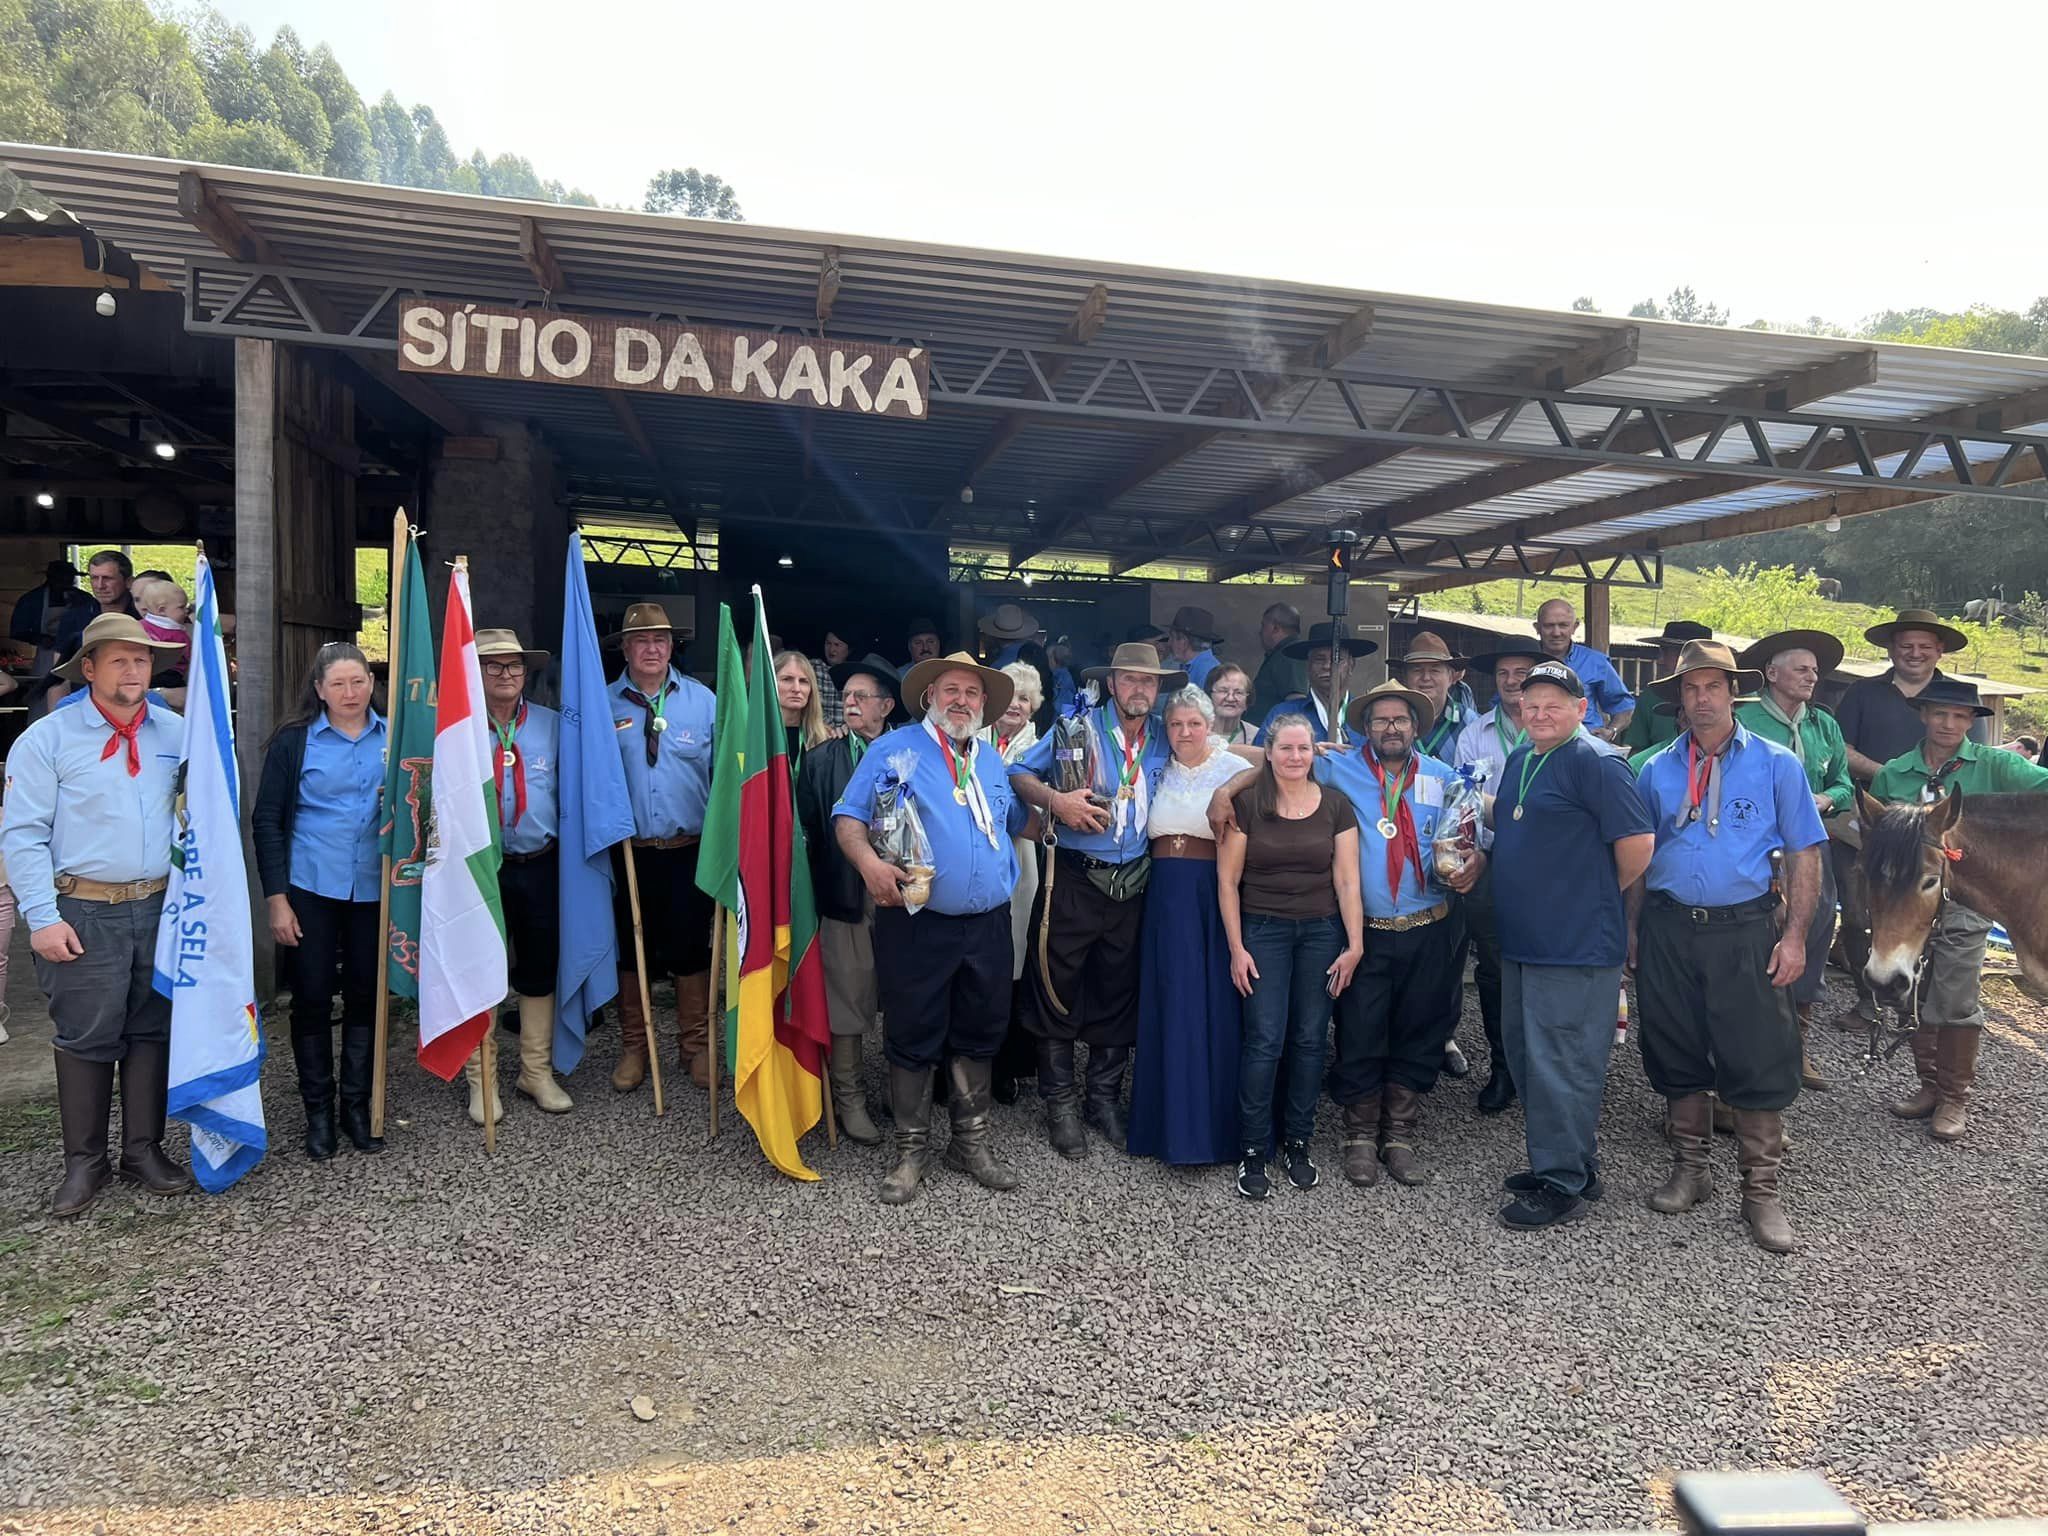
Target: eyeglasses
860,698
504,668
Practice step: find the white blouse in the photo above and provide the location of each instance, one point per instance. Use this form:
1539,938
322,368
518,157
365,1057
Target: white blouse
1180,806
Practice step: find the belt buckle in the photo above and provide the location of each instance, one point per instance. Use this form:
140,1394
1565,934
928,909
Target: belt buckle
1698,914
1180,843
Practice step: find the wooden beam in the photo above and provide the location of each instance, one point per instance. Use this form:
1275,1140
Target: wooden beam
828,283
202,206
539,257
259,692
82,428
46,261
1081,328
1598,614
628,418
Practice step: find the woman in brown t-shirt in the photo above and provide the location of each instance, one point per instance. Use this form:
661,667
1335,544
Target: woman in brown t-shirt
1287,883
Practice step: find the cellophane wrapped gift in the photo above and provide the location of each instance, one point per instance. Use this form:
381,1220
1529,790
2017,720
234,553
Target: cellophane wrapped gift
896,831
1073,746
1457,828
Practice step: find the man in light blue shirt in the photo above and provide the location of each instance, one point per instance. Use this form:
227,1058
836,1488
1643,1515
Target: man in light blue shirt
943,971
1609,704
86,831
1191,637
666,724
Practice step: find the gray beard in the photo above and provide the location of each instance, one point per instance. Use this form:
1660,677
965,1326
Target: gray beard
945,726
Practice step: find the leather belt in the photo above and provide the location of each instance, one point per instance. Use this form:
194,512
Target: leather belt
83,888
1088,860
1701,917
527,858
1183,845
1420,919
680,840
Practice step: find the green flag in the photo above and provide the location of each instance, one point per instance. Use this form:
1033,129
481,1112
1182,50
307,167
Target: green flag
718,854
409,763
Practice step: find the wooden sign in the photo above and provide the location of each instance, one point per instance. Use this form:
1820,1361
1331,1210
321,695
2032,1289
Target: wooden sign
478,341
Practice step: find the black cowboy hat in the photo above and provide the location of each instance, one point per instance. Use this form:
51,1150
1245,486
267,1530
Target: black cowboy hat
880,670
1677,631
1953,692
1826,648
1487,661
1319,639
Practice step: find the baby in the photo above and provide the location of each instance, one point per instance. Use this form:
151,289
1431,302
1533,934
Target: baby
166,616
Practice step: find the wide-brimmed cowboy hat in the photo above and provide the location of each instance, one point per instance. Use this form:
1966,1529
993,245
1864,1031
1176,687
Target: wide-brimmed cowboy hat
1827,650
107,629
1428,645
1952,639
1137,656
880,670
1707,656
921,626
1677,631
1199,622
1319,639
1008,622
505,642
640,619
1528,650
1356,711
997,686
1954,693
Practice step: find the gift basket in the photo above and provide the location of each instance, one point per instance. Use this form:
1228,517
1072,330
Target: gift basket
1456,838
896,831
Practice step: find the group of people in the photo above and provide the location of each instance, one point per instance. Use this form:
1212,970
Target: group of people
1182,927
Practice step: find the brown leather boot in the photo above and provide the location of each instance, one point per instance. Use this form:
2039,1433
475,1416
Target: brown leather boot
1809,1075
1361,1141
85,1096
1724,1118
1955,1073
1760,1148
631,1071
145,1084
1922,1103
1400,1115
693,1025
1692,1146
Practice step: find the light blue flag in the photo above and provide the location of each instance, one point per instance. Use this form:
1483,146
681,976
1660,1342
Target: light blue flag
204,964
591,785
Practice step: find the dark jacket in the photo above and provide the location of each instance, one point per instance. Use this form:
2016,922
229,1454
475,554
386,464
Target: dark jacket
277,808
836,885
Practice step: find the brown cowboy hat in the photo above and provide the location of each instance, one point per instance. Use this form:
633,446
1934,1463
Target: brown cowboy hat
1707,656
107,629
999,686
642,617
1428,645
1137,656
1355,713
1827,650
1199,622
1952,639
1009,622
505,642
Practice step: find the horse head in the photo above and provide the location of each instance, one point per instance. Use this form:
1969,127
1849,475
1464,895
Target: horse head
1907,852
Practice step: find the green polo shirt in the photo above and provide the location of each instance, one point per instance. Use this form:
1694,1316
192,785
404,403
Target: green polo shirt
1650,726
1983,771
1827,754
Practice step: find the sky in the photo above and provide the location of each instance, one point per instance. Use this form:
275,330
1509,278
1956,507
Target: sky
1788,160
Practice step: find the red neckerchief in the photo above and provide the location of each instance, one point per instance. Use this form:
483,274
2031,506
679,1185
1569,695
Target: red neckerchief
953,763
1697,775
123,733
1003,746
1404,846
510,748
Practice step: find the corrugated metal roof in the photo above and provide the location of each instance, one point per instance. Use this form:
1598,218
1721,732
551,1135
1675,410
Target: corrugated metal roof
452,244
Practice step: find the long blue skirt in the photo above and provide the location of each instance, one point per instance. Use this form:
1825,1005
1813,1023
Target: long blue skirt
1190,1022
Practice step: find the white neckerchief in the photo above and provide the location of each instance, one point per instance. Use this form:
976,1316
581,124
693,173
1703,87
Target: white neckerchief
1139,806
1323,715
977,797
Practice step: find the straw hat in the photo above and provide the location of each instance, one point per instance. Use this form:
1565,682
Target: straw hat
1137,656
1356,712
1827,650
1430,646
505,642
1707,656
108,629
998,686
642,618
1952,639
1199,622
1008,622
1319,639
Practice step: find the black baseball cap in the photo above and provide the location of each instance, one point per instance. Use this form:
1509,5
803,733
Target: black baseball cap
1558,675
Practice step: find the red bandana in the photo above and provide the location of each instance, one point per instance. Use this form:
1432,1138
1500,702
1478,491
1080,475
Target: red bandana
123,733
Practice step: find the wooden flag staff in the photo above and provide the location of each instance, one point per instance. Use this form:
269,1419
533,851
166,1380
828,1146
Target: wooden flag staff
381,1051
487,1048
646,992
714,1009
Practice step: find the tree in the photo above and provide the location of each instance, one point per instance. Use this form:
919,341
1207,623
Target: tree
265,146
1686,306
1584,306
396,142
1645,309
693,194
436,165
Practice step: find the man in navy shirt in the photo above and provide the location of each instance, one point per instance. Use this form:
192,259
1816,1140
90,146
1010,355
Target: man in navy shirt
1566,817
943,972
1715,946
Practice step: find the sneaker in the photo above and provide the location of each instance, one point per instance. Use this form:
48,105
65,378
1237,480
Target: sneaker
1301,1170
1525,1181
1252,1182
1541,1207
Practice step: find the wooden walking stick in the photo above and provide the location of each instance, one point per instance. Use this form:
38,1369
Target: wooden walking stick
715,1006
640,970
380,1055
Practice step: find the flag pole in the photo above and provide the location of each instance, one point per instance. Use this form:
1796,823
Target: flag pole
487,1048
646,992
715,1007
381,1052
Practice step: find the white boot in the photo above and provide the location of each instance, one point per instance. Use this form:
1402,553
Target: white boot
537,1055
473,1074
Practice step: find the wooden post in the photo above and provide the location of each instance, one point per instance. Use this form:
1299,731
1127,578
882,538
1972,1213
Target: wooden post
715,1008
380,1055
256,623
1597,615
646,992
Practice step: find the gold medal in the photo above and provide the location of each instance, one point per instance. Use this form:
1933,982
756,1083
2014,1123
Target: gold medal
959,795
510,758
1123,792
1518,813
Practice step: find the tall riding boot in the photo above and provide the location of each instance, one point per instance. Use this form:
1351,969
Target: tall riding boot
314,1055
631,1071
1361,1141
1809,1074
1105,1093
473,1074
1691,1118
1724,1118
1760,1148
693,1025
968,1150
537,1055
85,1097
145,1084
1926,1041
849,1099
1400,1117
1062,1098
358,1063
910,1101
1955,1073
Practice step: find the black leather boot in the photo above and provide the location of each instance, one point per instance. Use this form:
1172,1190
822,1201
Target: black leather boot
358,1066
910,1103
1062,1097
968,1150
1106,1065
145,1083
1499,1091
320,1130
314,1054
355,1125
85,1096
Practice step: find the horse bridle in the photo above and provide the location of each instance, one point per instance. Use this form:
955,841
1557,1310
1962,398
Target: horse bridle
1909,1016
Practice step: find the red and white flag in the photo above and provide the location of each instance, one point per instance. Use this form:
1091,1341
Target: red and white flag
462,919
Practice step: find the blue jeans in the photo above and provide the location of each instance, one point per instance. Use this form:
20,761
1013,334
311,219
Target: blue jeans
1289,1010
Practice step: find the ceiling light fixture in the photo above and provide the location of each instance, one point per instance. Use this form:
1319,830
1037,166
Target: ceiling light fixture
44,499
784,561
105,302
166,451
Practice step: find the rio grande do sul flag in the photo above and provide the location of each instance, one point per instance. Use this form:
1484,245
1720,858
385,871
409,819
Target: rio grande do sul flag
462,922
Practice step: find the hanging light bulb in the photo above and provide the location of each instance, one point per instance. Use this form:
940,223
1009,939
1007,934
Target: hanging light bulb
166,451
1834,522
105,302
44,499
784,561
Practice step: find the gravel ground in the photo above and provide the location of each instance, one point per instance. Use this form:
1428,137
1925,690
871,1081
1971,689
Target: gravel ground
427,1341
